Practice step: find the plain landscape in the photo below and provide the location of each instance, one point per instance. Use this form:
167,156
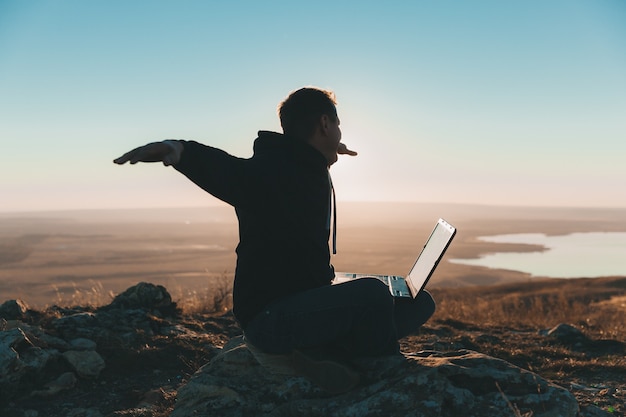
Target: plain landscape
87,258
47,258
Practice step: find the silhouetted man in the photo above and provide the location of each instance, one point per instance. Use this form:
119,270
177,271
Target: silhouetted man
284,201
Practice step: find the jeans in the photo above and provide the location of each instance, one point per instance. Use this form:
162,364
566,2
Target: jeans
358,318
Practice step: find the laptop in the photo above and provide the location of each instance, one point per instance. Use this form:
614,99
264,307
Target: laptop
417,278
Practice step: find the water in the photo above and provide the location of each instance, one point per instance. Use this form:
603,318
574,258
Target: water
569,256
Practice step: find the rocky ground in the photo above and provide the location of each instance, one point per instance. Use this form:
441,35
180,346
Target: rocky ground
593,370
149,351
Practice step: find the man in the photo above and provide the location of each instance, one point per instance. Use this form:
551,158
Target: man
284,201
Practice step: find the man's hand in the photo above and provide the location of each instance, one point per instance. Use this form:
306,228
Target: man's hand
168,152
343,150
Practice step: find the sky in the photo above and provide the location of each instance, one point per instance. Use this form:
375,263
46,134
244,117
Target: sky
481,102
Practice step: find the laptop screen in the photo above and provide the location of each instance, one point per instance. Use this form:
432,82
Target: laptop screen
430,256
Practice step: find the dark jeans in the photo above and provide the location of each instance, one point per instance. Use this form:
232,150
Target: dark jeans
358,318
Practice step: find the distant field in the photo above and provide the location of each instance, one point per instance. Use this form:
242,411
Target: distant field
48,257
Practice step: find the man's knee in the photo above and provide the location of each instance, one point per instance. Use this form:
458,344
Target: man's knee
427,302
374,291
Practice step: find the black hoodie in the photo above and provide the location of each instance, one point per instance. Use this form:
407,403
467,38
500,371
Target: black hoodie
282,199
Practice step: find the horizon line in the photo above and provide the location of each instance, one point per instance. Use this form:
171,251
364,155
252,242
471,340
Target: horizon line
225,205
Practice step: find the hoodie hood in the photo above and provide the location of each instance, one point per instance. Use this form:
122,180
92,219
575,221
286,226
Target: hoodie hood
269,141
278,142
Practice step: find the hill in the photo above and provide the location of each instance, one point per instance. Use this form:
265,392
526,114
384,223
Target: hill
570,332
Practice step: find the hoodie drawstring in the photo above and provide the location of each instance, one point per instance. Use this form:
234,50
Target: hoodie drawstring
332,203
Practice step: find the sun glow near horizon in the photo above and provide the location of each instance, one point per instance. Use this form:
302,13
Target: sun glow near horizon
485,103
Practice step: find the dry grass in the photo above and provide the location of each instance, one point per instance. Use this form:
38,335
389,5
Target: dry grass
595,305
506,321
95,296
217,297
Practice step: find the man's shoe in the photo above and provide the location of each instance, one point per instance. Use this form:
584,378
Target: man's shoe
333,376
378,367
274,364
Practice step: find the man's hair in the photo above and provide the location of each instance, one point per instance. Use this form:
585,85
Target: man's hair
302,109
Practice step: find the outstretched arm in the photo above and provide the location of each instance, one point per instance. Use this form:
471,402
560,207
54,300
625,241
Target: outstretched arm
167,151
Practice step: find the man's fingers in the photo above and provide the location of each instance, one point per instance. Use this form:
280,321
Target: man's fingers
133,156
138,157
152,152
123,159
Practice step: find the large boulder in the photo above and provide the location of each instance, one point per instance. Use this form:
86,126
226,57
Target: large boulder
145,296
45,360
86,363
425,384
26,355
13,310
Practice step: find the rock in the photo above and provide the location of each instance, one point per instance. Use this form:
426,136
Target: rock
32,356
593,411
151,398
63,382
566,333
145,296
13,310
37,336
18,353
8,355
425,384
87,364
24,359
84,412
487,338
81,343
67,325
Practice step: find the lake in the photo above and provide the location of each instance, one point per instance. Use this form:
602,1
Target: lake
568,256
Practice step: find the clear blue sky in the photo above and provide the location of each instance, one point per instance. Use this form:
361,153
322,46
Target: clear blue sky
491,102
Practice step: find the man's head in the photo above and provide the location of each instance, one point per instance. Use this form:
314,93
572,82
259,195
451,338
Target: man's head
309,114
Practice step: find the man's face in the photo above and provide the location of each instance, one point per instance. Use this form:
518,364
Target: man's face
334,137
326,137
